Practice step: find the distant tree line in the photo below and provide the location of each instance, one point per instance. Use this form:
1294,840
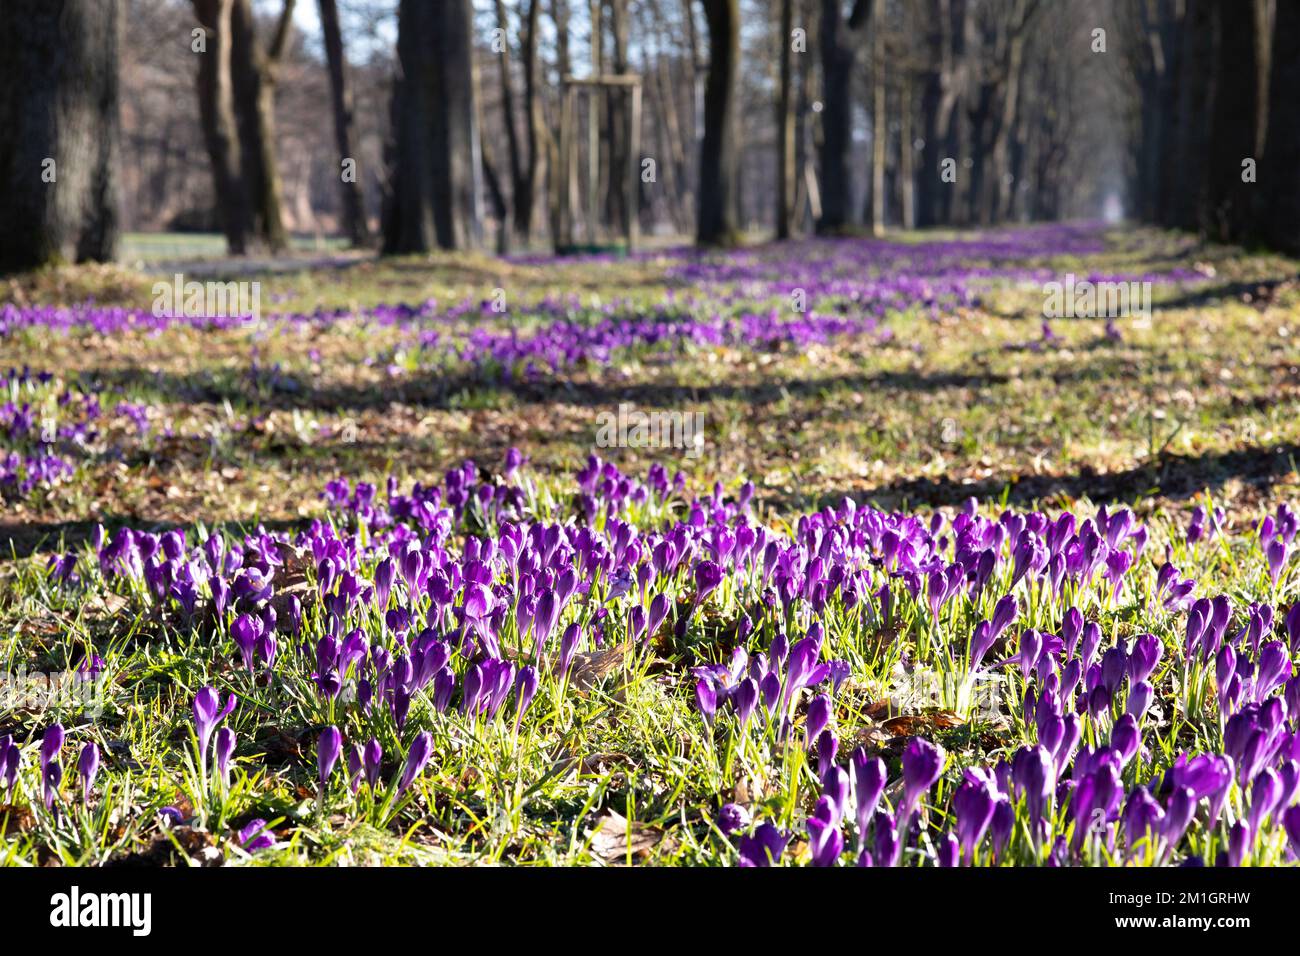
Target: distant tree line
1217,117
819,116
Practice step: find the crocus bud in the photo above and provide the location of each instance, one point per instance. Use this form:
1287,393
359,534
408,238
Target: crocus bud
51,778
1147,651
819,715
868,782
51,743
1291,822
763,847
224,746
569,644
947,851
88,767
525,689
207,716
328,748
416,759
827,746
8,762
1126,737
744,699
1140,696
371,759
706,699
922,766
824,837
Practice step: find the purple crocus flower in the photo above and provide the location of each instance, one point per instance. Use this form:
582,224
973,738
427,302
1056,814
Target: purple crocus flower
825,840
708,575
1033,776
1147,651
827,747
9,756
763,847
868,782
1292,623
744,699
981,640
371,759
416,758
255,836
1140,696
1004,615
568,646
819,715
1004,821
328,748
352,760
88,767
1291,823
207,714
51,743
973,805
706,699
224,747
1276,553
922,767
51,778
525,689
732,817
246,631
947,853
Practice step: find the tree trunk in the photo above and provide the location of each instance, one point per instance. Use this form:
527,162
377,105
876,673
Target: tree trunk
1003,181
785,162
1226,209
354,212
906,173
561,201
253,75
513,154
1280,167
526,197
838,55
435,193
1196,97
59,74
879,123
718,154
616,122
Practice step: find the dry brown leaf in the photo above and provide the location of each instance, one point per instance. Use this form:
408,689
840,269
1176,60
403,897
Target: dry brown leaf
590,668
615,838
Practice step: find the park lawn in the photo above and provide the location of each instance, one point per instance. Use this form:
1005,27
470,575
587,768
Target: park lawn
1197,405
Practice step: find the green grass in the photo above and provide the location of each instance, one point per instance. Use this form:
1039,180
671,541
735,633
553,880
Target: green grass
1203,399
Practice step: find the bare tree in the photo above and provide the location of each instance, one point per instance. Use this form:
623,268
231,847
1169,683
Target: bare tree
785,126
718,150
1279,212
60,120
354,215
839,52
434,197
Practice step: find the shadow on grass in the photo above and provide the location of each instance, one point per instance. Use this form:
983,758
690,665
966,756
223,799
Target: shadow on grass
1172,476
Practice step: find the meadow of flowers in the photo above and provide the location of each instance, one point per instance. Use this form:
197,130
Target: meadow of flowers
503,661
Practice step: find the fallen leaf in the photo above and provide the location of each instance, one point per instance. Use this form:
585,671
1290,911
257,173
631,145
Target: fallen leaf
615,838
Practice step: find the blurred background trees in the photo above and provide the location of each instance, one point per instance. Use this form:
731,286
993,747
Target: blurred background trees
421,125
